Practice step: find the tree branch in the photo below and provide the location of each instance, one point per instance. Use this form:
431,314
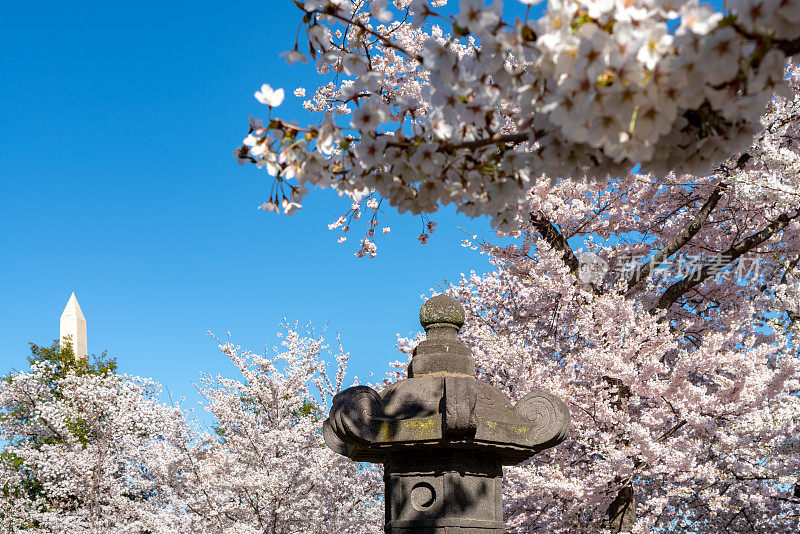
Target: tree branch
666,435
790,269
681,239
622,510
556,240
331,12
676,290
491,140
790,48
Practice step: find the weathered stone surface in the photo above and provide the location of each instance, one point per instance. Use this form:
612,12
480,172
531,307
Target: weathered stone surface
442,353
443,491
442,435
460,403
441,310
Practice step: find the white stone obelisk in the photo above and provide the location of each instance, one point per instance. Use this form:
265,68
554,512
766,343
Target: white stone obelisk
73,328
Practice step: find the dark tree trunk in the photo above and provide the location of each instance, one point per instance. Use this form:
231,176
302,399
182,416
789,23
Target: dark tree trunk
622,510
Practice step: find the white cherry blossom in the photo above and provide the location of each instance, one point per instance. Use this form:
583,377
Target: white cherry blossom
589,90
269,96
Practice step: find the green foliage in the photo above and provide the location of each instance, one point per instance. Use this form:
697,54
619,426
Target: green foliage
63,358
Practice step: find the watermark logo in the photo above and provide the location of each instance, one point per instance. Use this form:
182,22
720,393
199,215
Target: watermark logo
592,268
720,267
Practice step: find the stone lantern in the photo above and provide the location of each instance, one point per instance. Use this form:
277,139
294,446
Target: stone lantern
442,435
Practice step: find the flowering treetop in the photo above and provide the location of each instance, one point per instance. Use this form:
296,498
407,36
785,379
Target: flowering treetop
86,450
428,107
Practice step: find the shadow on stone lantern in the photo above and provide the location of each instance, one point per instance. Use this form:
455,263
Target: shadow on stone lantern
442,435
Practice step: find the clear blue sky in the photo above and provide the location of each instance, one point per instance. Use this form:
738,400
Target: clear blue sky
117,122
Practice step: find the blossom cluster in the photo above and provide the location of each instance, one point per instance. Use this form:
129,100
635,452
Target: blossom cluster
430,107
86,444
101,453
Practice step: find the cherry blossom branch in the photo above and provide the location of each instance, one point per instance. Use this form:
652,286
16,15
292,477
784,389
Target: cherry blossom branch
198,477
47,423
790,47
366,29
666,435
681,239
492,140
790,269
722,70
556,240
676,290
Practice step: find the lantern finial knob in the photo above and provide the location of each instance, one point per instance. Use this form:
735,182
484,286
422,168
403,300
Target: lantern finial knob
441,311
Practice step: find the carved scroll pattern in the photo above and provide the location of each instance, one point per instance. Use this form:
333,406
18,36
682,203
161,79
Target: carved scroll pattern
352,416
548,417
